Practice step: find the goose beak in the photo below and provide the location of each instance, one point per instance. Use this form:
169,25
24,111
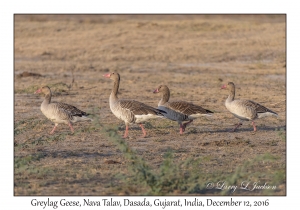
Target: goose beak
223,87
38,91
107,75
155,91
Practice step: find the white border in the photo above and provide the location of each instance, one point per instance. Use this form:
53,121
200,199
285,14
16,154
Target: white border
8,8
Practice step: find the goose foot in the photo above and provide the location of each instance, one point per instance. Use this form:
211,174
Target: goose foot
237,125
71,127
181,129
254,127
125,136
51,132
126,133
143,129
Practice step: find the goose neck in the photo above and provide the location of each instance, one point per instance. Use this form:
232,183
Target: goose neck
165,98
231,95
114,92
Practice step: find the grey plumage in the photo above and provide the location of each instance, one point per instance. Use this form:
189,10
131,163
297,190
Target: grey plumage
245,109
130,111
187,108
179,110
138,108
60,112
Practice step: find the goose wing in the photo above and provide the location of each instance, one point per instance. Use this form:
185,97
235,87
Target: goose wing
187,108
70,110
257,107
138,108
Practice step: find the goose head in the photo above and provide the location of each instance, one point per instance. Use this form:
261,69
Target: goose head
162,89
230,86
113,76
45,90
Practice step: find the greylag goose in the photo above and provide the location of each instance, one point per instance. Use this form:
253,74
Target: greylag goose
129,111
179,110
245,110
60,112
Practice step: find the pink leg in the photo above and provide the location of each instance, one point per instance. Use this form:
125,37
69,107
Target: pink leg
71,127
143,129
53,129
254,127
126,132
238,125
185,124
181,128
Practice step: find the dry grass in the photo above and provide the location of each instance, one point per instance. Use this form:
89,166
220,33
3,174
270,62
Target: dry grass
193,55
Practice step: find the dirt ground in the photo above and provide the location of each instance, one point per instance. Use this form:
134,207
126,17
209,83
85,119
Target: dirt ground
193,54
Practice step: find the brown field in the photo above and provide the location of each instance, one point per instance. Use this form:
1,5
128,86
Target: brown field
194,55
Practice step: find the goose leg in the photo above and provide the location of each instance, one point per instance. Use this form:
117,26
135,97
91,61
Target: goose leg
238,125
254,127
143,129
185,124
53,129
181,128
126,132
70,125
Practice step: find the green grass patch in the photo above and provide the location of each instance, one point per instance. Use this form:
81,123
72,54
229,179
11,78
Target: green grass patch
23,161
27,124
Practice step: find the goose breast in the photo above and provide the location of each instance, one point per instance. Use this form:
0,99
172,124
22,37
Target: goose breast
122,113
